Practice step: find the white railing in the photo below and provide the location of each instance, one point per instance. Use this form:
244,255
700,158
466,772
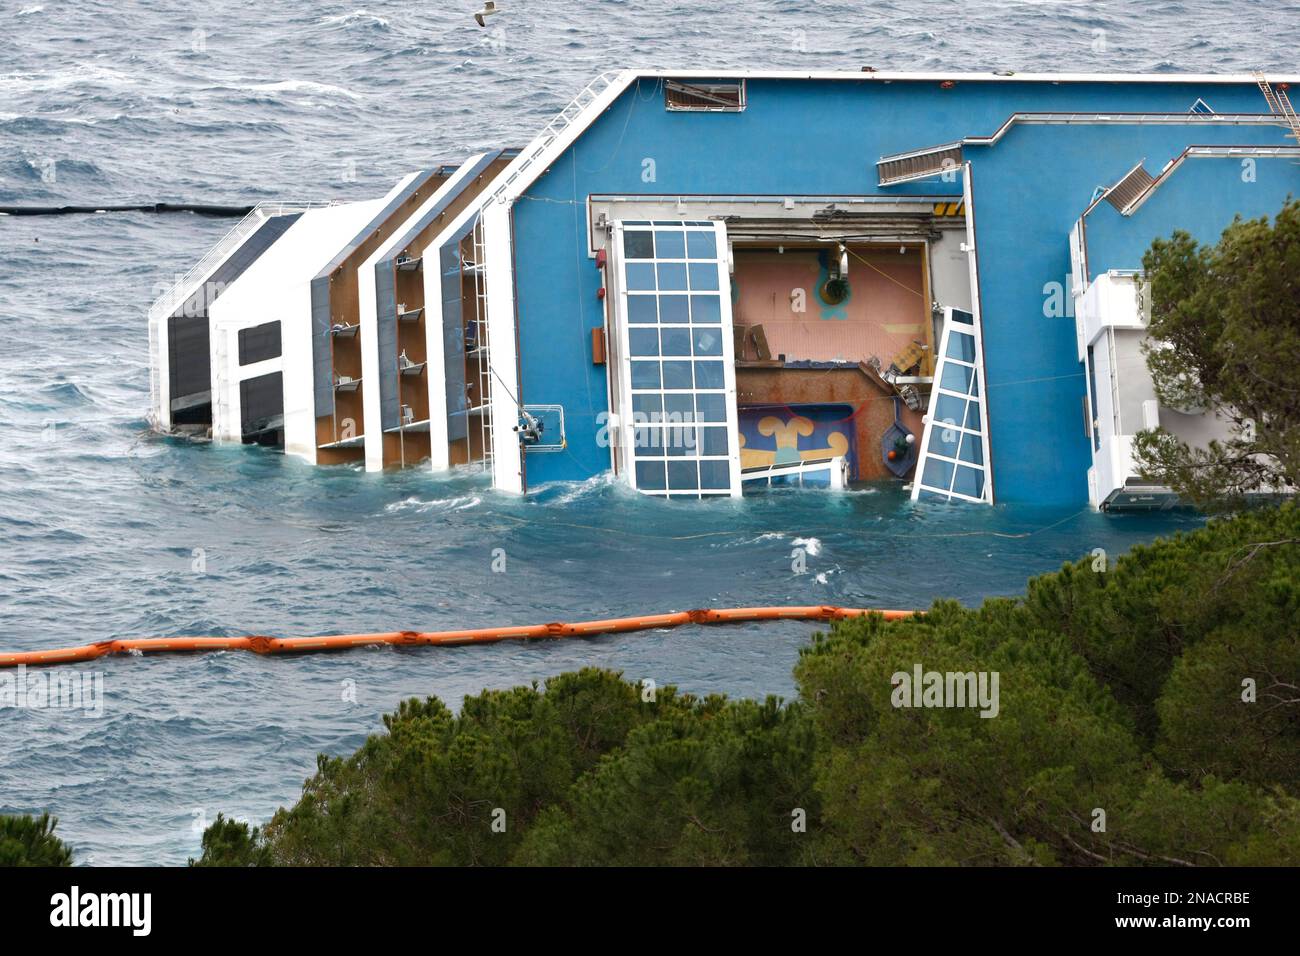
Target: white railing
558,124
166,303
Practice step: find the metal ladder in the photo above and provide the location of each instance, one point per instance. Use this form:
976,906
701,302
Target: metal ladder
1279,103
482,353
558,124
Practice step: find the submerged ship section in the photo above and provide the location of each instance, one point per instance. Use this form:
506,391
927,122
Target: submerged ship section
716,284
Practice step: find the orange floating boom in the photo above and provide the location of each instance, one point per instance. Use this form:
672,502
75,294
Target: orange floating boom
485,635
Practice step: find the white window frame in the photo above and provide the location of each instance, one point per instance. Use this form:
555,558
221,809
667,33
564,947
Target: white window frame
623,426
979,394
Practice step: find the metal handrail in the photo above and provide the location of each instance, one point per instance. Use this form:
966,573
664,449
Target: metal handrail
268,209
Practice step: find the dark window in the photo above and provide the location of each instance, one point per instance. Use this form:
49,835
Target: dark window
725,97
259,343
261,404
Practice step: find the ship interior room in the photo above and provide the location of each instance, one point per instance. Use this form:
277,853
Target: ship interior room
817,327
837,307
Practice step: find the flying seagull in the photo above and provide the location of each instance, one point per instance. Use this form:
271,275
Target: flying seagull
489,8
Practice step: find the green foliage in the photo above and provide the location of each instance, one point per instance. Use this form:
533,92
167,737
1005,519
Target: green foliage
1147,714
232,843
719,783
30,841
1225,334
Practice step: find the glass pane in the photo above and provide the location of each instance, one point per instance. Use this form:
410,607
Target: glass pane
670,245
643,341
672,275
649,441
645,375
961,345
679,408
638,245
949,410
641,309
943,441
715,474
672,309
709,375
970,481
704,276
676,341
706,309
973,416
683,476
702,245
713,441
817,479
708,342
956,377
711,408
938,473
640,276
972,449
680,441
676,375
644,404
650,475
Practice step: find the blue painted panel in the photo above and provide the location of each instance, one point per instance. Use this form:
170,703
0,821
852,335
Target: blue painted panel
1029,190
1217,188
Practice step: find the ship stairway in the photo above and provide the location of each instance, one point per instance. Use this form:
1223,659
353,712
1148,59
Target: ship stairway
1131,190
1279,103
558,124
919,164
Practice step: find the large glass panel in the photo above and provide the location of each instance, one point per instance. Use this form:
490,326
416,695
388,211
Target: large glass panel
701,245
937,474
678,375
677,341
969,481
641,309
704,276
673,310
943,441
638,244
672,276
643,341
683,476
650,475
640,276
669,245
706,309
715,474
956,377
674,373
948,411
972,449
645,375
707,342
952,461
711,408
710,375
961,345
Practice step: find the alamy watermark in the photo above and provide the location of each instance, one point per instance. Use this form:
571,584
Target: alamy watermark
53,690
922,688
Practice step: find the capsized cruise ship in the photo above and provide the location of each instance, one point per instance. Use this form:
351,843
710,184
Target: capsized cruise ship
710,283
